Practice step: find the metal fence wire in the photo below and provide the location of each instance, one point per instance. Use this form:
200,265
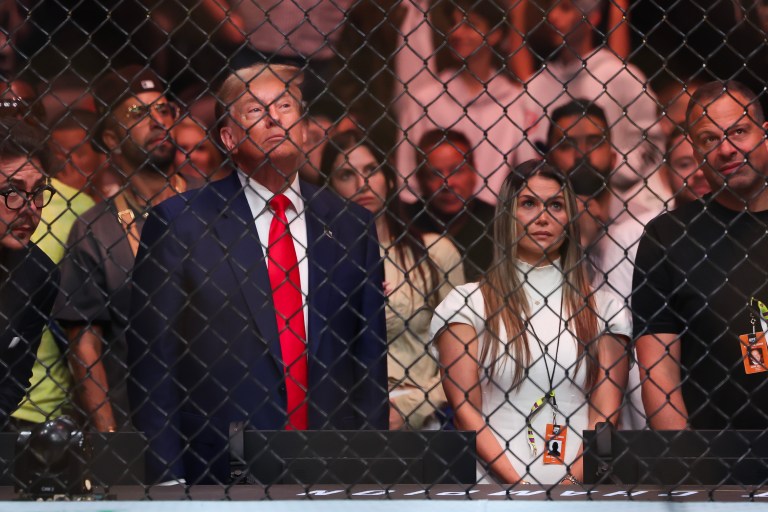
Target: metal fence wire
341,242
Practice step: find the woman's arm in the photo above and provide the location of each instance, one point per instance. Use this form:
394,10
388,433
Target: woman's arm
606,397
458,348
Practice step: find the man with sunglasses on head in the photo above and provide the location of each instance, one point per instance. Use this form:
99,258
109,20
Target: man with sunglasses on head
28,278
135,122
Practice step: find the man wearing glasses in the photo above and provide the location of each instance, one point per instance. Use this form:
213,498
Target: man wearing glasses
135,124
28,278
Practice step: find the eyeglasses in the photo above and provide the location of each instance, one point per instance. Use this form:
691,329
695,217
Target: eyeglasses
18,199
166,110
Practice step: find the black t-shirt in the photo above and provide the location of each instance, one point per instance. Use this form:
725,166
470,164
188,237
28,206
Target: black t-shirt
471,232
696,270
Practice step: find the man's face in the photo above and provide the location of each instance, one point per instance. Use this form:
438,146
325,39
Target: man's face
730,146
20,175
78,158
568,23
447,180
686,178
471,33
579,138
266,123
144,136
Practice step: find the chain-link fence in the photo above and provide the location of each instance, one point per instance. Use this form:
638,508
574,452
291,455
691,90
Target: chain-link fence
413,242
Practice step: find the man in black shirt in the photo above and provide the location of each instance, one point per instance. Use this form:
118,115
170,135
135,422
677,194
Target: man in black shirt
447,177
701,276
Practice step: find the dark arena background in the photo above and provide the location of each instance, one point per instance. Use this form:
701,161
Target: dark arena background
333,254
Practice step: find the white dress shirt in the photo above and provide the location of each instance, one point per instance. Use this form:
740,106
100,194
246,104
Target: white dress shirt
258,197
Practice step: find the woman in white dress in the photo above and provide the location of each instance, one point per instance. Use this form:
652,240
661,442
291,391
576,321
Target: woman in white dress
419,270
532,356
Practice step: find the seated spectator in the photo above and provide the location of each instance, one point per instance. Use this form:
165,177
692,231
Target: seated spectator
419,271
580,69
700,273
28,278
522,385
448,206
474,96
80,165
197,159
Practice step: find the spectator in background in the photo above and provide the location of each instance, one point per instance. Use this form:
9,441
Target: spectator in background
579,69
419,271
28,277
19,99
520,347
700,272
80,165
48,394
448,206
197,161
95,287
474,96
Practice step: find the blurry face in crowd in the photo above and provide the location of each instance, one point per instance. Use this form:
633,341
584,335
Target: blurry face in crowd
19,174
577,138
266,123
686,178
568,23
78,158
194,157
730,146
447,180
145,121
358,176
471,33
592,217
541,216
318,128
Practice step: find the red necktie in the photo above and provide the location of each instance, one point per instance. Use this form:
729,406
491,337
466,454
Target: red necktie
286,293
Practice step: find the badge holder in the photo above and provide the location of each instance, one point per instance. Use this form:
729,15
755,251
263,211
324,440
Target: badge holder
754,350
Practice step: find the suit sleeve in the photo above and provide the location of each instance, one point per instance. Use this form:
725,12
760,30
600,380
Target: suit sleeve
371,349
154,345
36,284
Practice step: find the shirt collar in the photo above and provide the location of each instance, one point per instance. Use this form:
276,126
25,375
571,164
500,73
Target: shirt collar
264,195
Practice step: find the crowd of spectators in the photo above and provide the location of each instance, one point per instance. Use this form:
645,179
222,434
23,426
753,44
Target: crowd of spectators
370,215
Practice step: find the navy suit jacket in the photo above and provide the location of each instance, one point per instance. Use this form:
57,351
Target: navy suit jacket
204,349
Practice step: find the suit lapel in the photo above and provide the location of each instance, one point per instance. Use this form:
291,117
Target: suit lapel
239,238
322,255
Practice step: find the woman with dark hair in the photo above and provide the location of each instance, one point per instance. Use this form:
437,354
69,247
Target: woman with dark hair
532,356
420,269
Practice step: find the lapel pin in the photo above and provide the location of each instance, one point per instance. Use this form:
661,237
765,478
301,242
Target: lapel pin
327,232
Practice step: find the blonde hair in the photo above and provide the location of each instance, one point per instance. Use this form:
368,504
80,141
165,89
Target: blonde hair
505,300
237,83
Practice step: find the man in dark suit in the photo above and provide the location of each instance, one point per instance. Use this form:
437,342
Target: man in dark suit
28,278
255,299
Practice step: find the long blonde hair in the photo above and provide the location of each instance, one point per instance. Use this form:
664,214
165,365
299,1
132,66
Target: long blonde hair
505,300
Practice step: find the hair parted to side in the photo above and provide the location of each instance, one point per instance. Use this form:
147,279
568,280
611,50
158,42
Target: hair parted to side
505,300
19,139
407,241
237,83
708,93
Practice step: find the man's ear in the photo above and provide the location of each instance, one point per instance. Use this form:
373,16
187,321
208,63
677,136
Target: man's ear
228,139
110,140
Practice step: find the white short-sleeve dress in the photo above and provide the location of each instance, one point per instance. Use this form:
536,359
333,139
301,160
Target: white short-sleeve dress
505,408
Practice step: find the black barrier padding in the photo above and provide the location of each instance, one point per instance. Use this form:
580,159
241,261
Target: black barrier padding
290,457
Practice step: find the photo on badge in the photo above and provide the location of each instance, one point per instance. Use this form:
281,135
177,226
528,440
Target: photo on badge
554,448
754,352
